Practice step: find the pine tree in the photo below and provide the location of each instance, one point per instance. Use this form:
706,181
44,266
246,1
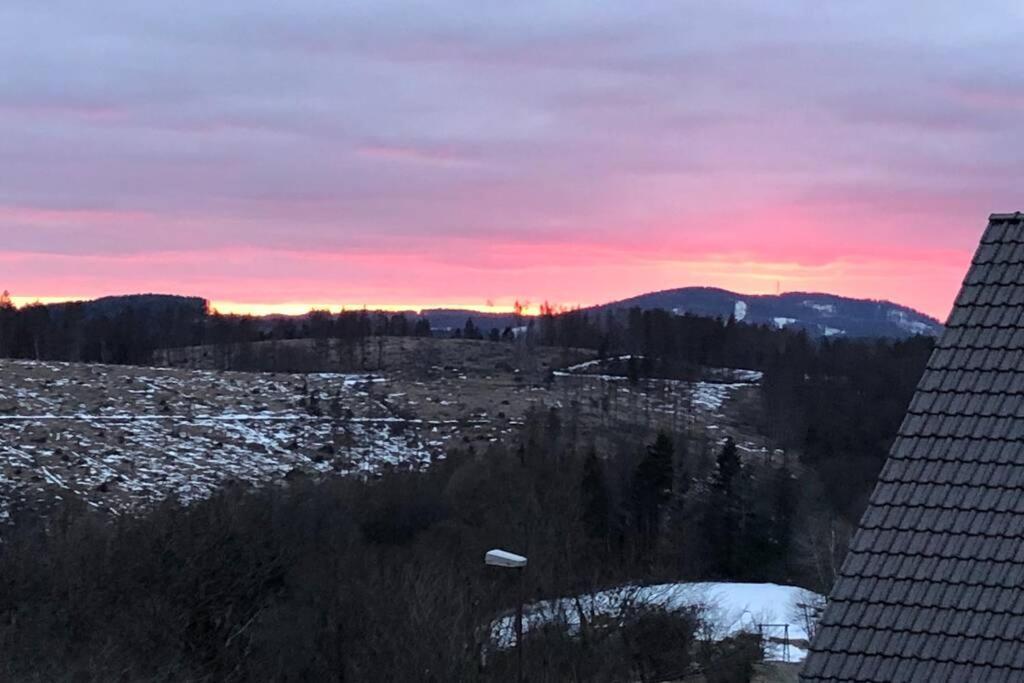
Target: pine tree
7,315
783,509
422,328
471,331
652,488
632,371
723,515
594,494
729,467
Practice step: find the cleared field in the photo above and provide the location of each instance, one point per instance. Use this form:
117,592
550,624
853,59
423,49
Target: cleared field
125,437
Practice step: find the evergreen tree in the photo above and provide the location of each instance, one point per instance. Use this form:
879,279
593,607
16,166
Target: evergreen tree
632,371
471,331
784,498
422,328
7,318
594,494
652,488
729,467
722,517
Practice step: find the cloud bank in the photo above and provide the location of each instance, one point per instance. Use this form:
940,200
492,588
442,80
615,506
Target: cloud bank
428,153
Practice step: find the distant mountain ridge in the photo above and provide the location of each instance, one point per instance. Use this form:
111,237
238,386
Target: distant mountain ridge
151,303
821,315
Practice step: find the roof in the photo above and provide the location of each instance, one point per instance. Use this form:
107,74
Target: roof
933,585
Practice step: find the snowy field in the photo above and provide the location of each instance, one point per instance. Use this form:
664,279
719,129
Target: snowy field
709,395
121,437
729,608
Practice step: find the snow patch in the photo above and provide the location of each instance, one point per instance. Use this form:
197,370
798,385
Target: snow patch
711,396
123,438
736,375
827,309
739,311
783,322
901,319
590,364
729,608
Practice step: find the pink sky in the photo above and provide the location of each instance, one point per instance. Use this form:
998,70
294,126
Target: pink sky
471,155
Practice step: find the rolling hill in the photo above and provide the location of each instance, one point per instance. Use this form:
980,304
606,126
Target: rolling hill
821,315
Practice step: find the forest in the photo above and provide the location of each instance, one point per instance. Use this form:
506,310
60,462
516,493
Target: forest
382,578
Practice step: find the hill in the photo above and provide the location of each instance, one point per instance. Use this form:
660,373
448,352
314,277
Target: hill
448,319
821,315
154,304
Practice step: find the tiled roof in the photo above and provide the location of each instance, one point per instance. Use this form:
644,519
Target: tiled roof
933,586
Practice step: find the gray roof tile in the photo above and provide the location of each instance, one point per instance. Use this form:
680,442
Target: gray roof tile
933,585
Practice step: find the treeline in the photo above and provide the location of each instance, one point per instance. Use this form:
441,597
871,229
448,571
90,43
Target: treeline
384,580
836,402
84,331
129,330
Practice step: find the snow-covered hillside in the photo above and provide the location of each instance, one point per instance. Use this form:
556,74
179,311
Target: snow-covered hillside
122,437
820,315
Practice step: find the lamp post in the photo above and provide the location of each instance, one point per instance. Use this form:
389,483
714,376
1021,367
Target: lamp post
503,558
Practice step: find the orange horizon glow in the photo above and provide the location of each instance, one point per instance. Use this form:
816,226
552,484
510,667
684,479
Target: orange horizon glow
742,278
298,308
773,250
292,308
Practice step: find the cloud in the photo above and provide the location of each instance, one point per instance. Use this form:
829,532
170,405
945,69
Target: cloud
520,138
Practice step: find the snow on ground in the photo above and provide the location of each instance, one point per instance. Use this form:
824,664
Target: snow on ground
828,309
783,322
590,364
728,609
122,438
711,396
739,311
912,326
735,375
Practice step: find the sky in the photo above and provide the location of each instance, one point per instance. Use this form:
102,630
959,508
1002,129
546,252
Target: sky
274,156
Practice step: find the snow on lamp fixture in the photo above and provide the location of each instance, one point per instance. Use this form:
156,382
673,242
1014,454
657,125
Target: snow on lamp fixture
503,558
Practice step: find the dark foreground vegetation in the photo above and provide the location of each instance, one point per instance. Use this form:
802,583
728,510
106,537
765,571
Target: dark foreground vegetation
384,580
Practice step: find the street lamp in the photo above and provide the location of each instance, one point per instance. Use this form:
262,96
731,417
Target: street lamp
503,558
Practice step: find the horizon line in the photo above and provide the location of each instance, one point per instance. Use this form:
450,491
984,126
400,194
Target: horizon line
296,308
524,307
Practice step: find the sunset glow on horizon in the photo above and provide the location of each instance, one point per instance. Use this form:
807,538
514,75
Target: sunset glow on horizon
463,156
581,284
